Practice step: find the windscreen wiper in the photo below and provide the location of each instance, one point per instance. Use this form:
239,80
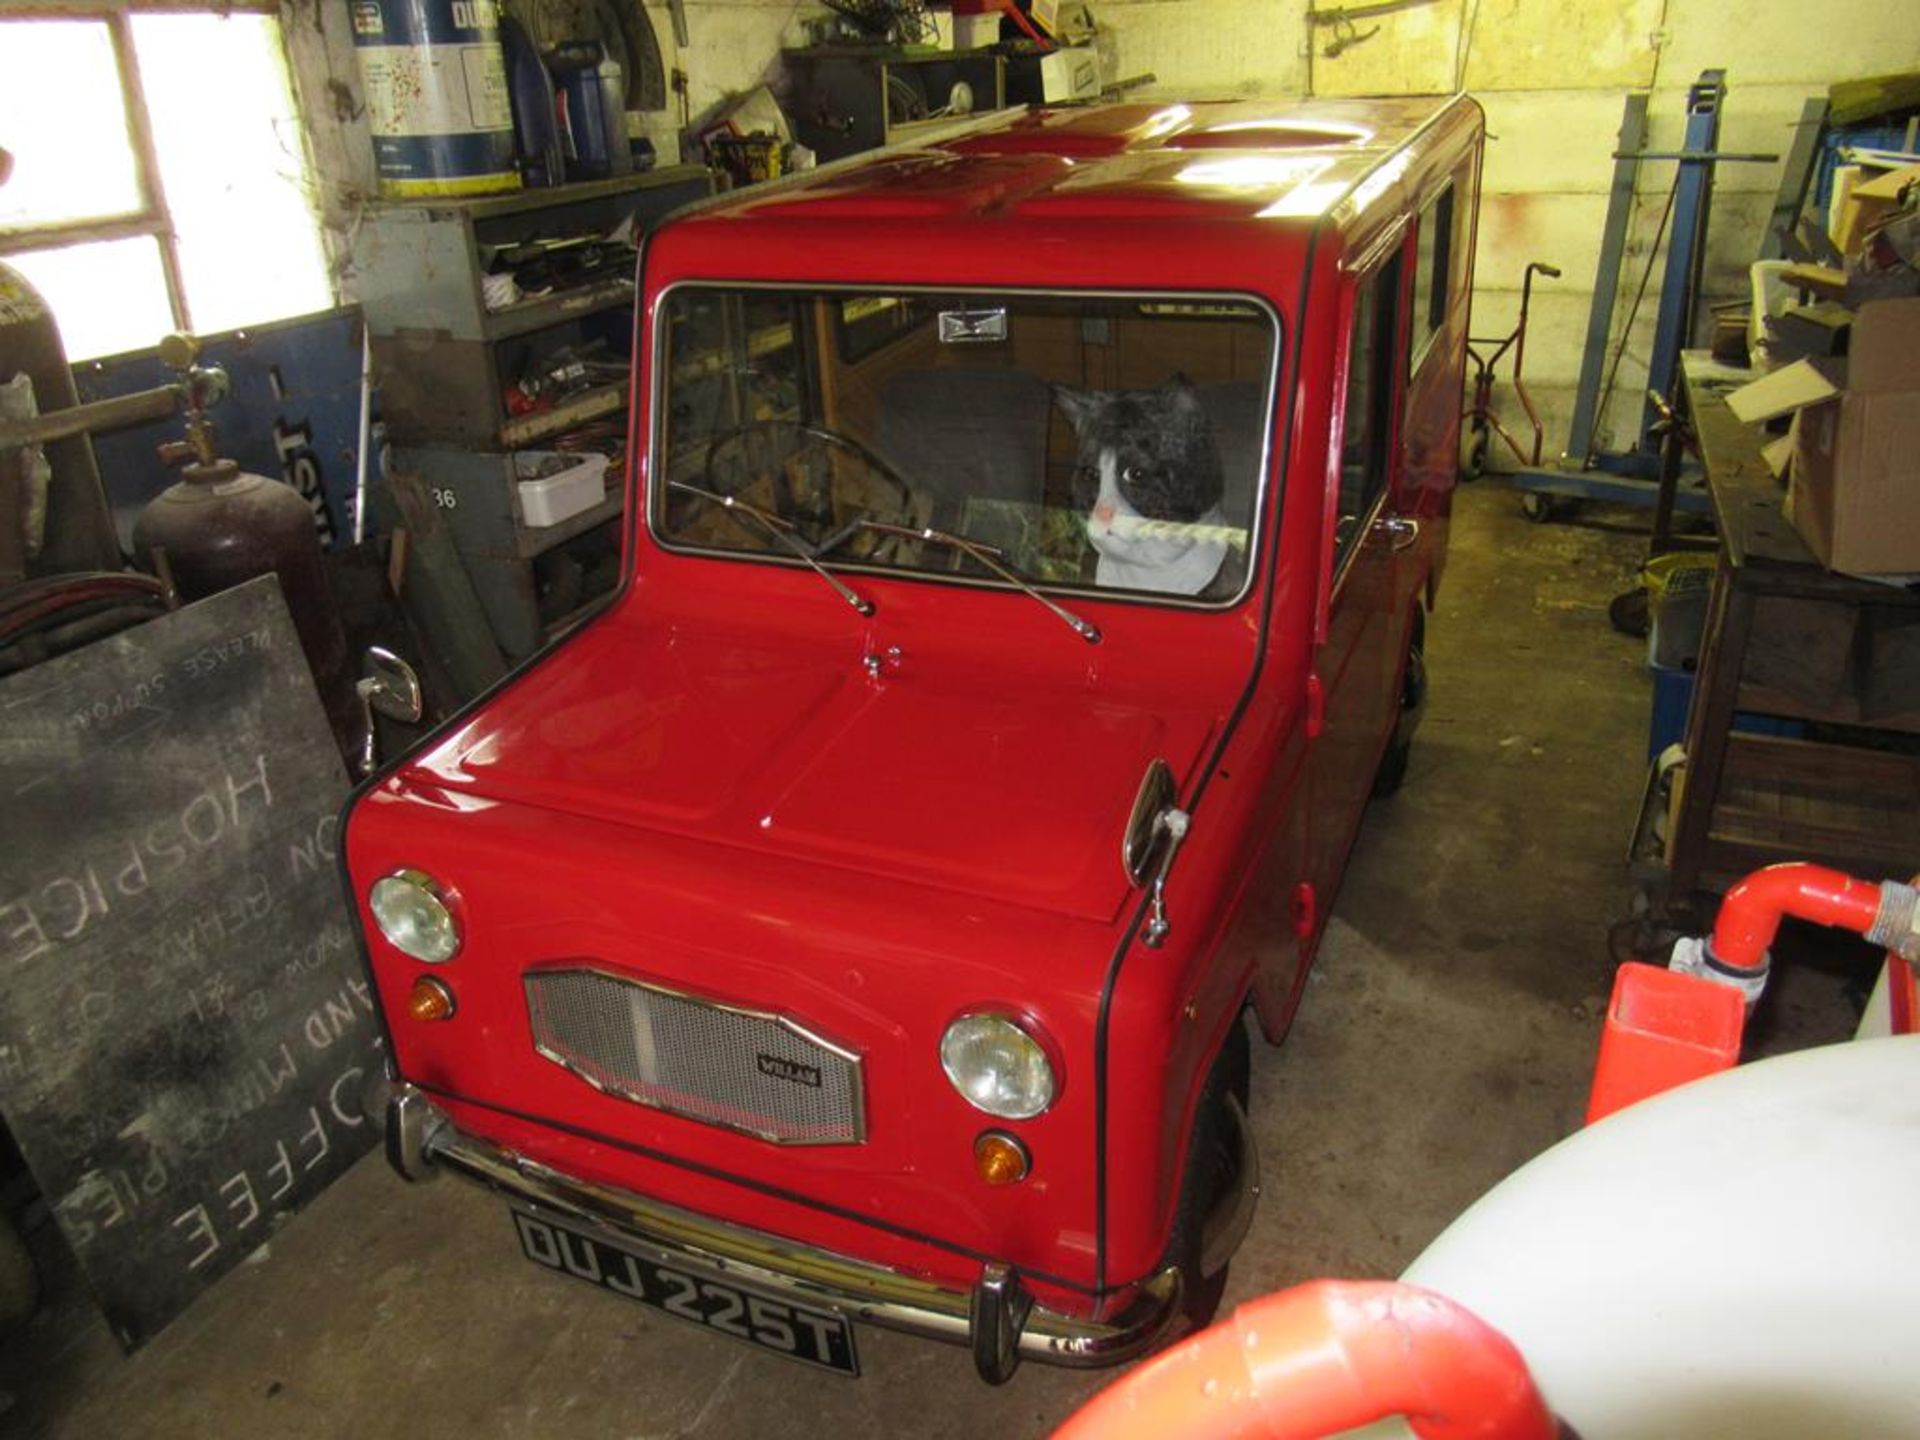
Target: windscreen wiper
992,559
781,530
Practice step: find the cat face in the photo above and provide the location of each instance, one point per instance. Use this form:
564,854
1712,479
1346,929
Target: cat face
1143,455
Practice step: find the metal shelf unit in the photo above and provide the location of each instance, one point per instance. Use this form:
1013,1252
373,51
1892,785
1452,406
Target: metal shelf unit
443,361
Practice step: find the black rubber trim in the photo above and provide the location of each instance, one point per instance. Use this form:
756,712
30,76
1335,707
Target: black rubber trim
714,1172
1736,972
1284,382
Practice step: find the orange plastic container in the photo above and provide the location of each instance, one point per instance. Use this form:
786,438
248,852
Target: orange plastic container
1663,1029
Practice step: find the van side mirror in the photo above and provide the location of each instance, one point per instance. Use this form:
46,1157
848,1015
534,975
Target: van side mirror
1156,829
390,688
1140,845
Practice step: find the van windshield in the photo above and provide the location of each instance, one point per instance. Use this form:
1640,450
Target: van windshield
1092,443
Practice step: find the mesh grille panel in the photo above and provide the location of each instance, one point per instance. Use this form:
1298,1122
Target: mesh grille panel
727,1067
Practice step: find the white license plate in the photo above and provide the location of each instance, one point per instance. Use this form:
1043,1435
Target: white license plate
817,1337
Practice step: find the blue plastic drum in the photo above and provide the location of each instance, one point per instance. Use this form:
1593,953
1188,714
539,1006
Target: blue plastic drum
437,96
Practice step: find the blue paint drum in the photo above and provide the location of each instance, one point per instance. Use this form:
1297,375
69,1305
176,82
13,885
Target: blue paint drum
437,96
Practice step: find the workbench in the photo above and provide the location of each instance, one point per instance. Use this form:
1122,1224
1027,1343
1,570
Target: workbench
1785,637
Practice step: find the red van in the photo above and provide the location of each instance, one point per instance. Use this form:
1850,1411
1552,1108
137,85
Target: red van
1031,535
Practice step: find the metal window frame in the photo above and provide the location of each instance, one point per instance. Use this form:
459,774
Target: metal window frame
151,218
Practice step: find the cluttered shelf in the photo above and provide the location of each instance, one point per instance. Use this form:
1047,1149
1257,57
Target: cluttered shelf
537,312
576,410
1830,659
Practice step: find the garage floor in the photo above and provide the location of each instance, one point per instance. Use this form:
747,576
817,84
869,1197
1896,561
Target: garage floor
1447,1035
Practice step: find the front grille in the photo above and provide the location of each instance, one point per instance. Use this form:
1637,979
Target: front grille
742,1069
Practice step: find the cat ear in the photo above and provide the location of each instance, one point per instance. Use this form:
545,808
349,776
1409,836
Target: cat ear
1079,406
1182,391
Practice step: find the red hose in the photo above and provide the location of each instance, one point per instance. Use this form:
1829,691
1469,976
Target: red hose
1322,1358
1751,912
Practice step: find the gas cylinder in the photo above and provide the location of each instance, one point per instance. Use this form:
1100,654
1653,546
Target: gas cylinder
219,526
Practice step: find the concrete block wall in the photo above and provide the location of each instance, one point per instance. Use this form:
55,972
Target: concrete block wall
1552,75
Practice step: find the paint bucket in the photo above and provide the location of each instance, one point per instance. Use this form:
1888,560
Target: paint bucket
437,96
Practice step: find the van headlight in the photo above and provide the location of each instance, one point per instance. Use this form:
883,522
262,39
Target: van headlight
997,1066
411,909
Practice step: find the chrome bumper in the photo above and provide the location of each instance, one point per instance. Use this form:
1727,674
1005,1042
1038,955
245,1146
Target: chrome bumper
997,1319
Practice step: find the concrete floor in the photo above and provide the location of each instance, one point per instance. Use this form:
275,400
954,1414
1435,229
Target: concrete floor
1447,1035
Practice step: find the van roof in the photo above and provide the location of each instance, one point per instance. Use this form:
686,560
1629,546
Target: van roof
1258,159
1123,183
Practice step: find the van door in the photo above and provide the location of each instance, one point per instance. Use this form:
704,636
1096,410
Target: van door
1357,663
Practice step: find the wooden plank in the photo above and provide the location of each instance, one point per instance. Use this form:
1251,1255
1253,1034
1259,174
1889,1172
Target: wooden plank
1845,770
1841,710
525,430
1746,497
1725,861
1852,101
1722,656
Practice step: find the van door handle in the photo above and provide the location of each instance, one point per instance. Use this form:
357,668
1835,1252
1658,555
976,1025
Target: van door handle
1400,531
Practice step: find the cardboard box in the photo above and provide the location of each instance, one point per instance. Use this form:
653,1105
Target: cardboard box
976,32
1870,202
1856,466
1070,74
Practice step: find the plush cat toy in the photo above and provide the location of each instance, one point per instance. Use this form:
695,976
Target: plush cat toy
1148,475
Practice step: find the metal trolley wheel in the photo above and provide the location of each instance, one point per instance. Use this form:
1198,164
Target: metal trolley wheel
1541,508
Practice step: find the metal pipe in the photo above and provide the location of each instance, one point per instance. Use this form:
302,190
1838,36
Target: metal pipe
1711,157
155,404
365,432
1320,1359
1750,914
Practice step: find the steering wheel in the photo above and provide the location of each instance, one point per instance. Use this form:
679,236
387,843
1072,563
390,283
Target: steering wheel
788,467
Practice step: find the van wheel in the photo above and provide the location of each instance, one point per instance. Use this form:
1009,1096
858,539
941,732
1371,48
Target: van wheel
1392,773
1211,1199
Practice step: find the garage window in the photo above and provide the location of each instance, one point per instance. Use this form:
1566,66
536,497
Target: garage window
160,178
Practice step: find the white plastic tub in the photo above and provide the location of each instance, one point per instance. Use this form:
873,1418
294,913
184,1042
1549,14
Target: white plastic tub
547,499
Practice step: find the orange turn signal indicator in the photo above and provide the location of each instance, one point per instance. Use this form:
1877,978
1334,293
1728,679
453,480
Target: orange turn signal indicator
430,999
1000,1159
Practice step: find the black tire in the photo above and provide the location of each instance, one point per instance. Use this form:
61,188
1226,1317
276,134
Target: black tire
1537,507
1211,1171
1392,773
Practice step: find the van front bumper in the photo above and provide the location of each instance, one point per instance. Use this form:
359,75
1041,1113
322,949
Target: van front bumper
997,1319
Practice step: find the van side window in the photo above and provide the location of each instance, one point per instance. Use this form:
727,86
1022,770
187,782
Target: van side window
1433,271
1371,369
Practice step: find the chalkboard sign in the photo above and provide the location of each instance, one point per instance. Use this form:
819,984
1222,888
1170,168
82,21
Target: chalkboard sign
184,1023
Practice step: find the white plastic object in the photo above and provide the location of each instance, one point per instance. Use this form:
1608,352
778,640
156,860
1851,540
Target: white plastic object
549,499
1734,1258
1690,957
